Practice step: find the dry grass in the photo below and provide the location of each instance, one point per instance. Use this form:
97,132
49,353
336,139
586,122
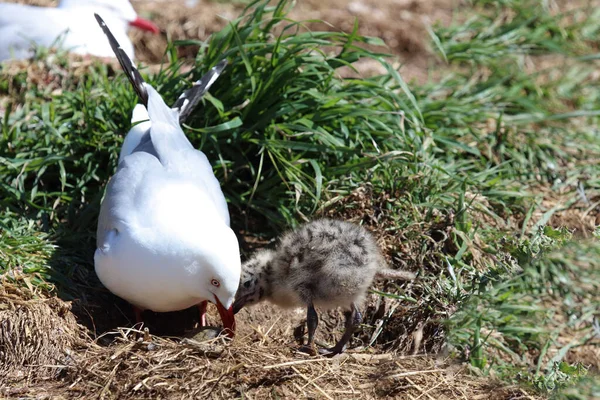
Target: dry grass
401,24
370,209
259,363
59,358
35,335
46,354
575,211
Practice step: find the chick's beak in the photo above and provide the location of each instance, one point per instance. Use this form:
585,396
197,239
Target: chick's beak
227,317
145,25
238,304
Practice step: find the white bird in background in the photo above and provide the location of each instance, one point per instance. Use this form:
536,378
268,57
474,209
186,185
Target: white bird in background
68,26
163,240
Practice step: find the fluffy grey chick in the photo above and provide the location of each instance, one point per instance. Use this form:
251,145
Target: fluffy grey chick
324,263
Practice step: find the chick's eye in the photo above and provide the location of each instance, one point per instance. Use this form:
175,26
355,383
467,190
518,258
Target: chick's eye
215,283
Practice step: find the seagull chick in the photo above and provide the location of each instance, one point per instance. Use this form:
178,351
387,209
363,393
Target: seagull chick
163,240
325,263
70,26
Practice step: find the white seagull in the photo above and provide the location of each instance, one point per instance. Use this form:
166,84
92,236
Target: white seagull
67,26
163,240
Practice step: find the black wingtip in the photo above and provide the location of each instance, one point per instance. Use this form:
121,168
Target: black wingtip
220,66
130,70
188,100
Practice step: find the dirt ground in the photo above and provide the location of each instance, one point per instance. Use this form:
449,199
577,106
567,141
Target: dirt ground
88,348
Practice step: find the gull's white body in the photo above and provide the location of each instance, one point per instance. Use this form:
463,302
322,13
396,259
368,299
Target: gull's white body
71,26
163,230
132,140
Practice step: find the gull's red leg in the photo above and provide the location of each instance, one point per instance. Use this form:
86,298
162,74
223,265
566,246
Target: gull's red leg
202,310
138,314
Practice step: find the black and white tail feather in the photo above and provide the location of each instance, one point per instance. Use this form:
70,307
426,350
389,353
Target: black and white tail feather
188,100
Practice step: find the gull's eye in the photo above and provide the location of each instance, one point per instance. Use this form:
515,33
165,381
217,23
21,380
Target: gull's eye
215,283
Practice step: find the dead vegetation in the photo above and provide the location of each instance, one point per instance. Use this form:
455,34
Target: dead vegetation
398,353
260,362
36,334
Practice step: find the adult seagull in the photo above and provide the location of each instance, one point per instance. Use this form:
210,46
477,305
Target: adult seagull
67,26
163,240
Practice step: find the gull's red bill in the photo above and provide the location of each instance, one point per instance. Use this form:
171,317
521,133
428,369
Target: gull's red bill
145,25
227,317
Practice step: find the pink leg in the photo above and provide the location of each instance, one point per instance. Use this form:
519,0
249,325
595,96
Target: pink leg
202,309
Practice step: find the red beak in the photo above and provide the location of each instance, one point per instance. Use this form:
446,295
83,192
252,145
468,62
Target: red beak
227,317
144,25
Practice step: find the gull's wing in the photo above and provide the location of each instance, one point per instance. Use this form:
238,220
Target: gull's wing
140,132
189,99
15,19
132,73
165,140
21,26
119,205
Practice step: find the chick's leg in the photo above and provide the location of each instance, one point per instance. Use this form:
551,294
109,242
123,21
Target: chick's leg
312,321
299,333
353,320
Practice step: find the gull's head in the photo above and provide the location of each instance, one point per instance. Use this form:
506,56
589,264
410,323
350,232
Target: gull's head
120,8
221,276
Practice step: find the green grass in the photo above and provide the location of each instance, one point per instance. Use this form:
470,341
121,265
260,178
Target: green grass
469,163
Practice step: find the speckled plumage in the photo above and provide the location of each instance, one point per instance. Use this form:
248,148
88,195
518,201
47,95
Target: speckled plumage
324,263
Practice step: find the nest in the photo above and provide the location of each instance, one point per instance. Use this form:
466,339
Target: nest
138,365
48,355
36,336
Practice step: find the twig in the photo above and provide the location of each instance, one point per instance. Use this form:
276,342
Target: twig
109,380
287,364
381,357
527,395
426,393
411,373
420,389
313,383
314,379
266,335
223,375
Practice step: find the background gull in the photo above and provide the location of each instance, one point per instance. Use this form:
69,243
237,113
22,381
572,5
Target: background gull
70,26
